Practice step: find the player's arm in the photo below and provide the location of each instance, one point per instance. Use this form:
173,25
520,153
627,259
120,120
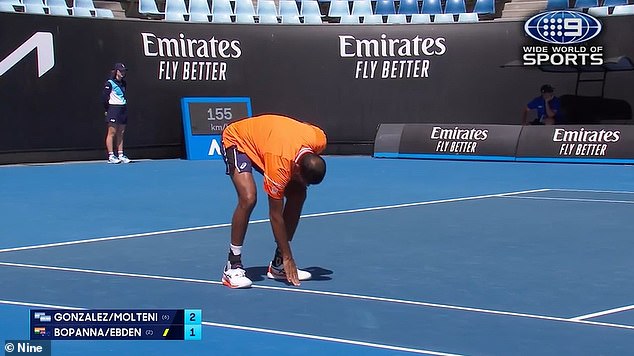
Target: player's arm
295,194
276,215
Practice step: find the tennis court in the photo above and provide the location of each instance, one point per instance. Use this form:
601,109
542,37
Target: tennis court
409,257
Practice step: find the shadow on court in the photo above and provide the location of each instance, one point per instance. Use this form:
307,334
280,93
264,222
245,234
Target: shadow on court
258,274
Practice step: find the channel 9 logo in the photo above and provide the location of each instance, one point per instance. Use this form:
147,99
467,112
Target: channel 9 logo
562,27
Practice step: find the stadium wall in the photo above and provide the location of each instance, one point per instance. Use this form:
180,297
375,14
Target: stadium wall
445,73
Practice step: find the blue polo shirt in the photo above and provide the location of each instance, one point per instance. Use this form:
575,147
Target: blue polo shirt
539,104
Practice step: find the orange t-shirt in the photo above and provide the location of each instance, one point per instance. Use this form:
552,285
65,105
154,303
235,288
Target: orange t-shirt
273,143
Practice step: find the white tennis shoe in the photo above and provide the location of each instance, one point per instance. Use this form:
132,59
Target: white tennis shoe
279,273
235,277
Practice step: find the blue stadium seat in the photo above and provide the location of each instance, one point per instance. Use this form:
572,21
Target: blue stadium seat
198,17
15,3
373,19
349,20
556,4
266,7
586,3
174,16
221,18
104,13
88,4
175,10
408,7
199,11
468,17
288,8
312,19
34,9
484,7
420,18
396,18
290,19
243,7
148,7
57,7
443,18
267,19
338,8
244,18
361,7
621,10
614,2
61,3
221,7
81,12
385,7
455,7
58,10
431,7
309,7
599,11
6,7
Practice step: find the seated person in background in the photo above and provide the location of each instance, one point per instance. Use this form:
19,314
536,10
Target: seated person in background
547,106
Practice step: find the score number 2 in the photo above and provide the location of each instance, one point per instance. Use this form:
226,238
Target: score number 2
219,113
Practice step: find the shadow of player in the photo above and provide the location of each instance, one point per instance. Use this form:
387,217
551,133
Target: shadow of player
258,274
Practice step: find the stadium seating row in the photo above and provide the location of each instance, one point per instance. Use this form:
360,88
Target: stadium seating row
310,12
81,8
619,10
581,4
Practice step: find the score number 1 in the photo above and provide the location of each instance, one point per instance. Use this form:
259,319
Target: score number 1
219,113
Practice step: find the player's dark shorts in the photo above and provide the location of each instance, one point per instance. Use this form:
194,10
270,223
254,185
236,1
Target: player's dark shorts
236,161
117,114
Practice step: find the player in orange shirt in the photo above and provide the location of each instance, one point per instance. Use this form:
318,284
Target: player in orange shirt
286,152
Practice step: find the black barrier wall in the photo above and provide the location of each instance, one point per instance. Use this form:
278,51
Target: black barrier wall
562,143
347,79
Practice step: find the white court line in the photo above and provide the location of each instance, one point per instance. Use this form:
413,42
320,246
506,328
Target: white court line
604,312
261,330
325,293
576,199
350,211
591,191
331,339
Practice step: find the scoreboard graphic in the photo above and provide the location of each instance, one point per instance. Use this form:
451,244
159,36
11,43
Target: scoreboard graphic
159,324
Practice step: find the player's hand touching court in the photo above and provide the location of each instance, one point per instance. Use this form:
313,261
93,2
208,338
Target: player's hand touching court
291,271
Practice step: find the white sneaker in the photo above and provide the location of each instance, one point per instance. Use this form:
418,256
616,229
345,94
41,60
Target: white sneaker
113,159
235,277
124,159
279,273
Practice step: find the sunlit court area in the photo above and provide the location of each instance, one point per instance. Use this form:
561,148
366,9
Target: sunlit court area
280,177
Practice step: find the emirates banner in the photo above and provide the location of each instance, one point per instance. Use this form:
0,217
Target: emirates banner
561,143
573,143
442,141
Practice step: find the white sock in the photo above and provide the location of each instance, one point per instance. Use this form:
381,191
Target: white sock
110,153
120,153
236,250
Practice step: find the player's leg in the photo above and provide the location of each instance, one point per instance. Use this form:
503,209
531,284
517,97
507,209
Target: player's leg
239,168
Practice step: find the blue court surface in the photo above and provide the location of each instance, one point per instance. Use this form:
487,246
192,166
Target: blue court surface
408,257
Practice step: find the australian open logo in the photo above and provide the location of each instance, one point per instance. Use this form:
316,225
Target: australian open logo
566,34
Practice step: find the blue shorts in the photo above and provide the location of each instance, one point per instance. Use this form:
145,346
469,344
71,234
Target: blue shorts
236,161
117,114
